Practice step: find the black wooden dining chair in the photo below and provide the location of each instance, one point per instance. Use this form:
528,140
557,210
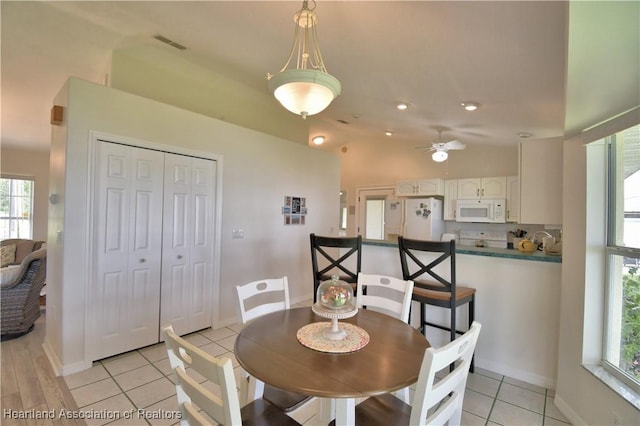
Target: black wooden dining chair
327,260
430,288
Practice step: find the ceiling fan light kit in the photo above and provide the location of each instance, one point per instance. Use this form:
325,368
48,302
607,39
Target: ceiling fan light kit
307,88
441,146
439,156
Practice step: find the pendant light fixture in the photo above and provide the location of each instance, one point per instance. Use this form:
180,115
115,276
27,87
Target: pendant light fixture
306,88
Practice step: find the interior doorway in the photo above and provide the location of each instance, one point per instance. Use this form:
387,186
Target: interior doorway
375,219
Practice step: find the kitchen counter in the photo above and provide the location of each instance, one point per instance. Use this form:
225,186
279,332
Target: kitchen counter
517,303
537,256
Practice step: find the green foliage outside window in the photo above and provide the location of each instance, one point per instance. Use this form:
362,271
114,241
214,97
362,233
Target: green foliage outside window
630,356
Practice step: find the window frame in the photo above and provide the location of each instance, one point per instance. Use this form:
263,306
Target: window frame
30,219
614,253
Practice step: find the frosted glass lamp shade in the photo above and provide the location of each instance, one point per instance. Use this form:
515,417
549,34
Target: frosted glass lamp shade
439,156
304,92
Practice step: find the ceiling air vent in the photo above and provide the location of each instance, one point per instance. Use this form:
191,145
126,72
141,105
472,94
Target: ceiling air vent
169,42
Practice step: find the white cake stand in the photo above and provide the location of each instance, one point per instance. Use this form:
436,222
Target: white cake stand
334,332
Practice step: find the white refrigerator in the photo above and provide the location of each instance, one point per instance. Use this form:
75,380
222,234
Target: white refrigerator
422,219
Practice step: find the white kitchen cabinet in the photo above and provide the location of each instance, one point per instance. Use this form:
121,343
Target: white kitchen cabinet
450,198
541,181
513,199
421,187
478,188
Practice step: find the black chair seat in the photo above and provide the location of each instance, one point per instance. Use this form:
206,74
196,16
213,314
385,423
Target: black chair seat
383,410
262,413
284,400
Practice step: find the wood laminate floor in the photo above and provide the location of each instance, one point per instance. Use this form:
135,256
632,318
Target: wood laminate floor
29,386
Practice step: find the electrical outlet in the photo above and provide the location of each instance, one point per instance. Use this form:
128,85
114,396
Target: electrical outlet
617,421
237,233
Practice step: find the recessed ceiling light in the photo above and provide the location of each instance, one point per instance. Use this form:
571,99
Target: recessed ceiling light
318,140
402,106
470,106
388,133
524,135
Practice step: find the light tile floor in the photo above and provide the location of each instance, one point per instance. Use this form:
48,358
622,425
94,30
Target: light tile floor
136,388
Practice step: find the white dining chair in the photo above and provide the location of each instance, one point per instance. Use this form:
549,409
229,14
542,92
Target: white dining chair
435,402
223,408
391,296
259,298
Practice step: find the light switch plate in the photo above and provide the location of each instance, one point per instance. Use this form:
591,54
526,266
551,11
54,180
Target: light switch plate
237,233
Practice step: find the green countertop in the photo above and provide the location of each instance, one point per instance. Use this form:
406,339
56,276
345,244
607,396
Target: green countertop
537,256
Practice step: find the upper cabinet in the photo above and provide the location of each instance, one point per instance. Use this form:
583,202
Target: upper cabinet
450,198
477,188
541,181
513,199
423,188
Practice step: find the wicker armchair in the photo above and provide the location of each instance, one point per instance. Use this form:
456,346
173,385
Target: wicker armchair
23,247
19,294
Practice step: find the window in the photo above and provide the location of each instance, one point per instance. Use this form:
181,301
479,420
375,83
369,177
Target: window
622,318
16,208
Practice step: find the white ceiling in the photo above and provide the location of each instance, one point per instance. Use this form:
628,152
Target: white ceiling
509,56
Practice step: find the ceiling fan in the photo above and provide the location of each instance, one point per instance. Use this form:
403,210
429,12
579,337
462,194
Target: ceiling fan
441,146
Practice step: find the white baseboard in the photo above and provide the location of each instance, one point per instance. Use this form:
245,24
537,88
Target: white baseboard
516,373
571,415
58,368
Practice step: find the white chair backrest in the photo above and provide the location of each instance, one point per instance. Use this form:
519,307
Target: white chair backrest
223,408
403,289
448,393
271,295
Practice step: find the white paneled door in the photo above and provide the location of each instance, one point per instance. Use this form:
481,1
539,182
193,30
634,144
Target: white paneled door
125,289
187,243
153,245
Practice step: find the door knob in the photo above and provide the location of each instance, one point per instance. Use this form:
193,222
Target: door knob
142,260
179,256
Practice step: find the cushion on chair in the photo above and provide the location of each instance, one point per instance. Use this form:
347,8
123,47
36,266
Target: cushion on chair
10,274
461,292
8,254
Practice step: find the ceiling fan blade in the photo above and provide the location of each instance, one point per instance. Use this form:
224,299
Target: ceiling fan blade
424,148
455,145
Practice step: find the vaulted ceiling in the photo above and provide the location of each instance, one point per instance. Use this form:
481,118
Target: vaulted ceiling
520,60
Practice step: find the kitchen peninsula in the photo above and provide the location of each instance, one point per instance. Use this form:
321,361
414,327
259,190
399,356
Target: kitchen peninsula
517,302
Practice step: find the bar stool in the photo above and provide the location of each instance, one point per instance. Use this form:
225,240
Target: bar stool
435,290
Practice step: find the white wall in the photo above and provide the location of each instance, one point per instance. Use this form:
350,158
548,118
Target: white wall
31,164
258,171
157,72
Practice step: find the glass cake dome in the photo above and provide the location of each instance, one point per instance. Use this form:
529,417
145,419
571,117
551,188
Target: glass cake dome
335,294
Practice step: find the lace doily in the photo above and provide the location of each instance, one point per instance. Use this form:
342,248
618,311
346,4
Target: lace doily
311,336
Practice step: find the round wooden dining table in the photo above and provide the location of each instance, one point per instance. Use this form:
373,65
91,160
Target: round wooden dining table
268,349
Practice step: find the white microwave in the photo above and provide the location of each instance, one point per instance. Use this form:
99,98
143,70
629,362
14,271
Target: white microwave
483,210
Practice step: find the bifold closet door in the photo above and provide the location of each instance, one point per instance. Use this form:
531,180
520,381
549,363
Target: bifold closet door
125,289
187,243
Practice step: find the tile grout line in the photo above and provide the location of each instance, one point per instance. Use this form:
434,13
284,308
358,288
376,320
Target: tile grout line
120,387
493,403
